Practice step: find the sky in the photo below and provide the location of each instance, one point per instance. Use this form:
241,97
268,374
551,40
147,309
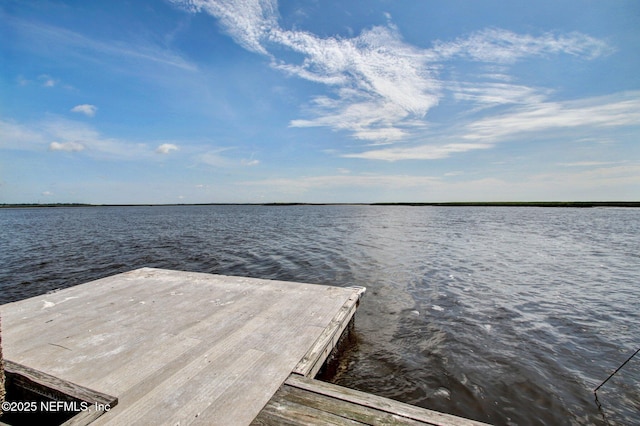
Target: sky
253,101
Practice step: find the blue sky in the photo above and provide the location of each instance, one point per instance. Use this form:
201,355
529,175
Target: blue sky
319,101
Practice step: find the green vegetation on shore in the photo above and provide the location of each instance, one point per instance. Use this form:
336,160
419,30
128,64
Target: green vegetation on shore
44,205
580,204
522,204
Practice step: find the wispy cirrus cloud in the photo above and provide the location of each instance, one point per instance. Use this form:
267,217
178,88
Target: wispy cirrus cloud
586,163
493,93
216,158
621,109
382,88
421,152
500,46
52,39
523,120
248,22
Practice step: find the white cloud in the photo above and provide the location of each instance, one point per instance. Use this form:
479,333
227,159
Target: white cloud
247,21
382,86
375,63
585,164
66,146
86,109
622,109
367,118
166,148
47,193
492,93
496,45
530,119
424,152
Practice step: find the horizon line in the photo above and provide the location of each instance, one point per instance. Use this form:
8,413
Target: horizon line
389,203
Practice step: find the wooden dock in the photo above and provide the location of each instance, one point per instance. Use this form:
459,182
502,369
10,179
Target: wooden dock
153,346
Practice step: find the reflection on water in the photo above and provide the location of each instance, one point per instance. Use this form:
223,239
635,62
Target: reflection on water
505,315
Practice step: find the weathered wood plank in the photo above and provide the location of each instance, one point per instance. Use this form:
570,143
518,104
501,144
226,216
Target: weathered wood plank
379,403
312,361
39,380
191,401
83,418
53,388
283,412
143,362
163,389
226,409
342,408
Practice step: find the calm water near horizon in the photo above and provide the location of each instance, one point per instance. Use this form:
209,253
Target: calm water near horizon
508,315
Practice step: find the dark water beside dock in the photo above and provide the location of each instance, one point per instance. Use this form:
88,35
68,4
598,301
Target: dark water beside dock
507,315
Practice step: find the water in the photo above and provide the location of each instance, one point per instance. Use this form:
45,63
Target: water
504,315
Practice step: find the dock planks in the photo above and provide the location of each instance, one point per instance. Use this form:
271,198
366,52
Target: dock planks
176,347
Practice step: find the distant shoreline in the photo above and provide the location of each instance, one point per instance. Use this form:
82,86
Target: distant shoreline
574,204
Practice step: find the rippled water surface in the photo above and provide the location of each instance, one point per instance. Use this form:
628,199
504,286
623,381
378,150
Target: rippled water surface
504,315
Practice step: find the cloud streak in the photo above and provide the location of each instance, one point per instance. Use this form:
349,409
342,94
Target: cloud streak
500,46
607,111
42,36
423,152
